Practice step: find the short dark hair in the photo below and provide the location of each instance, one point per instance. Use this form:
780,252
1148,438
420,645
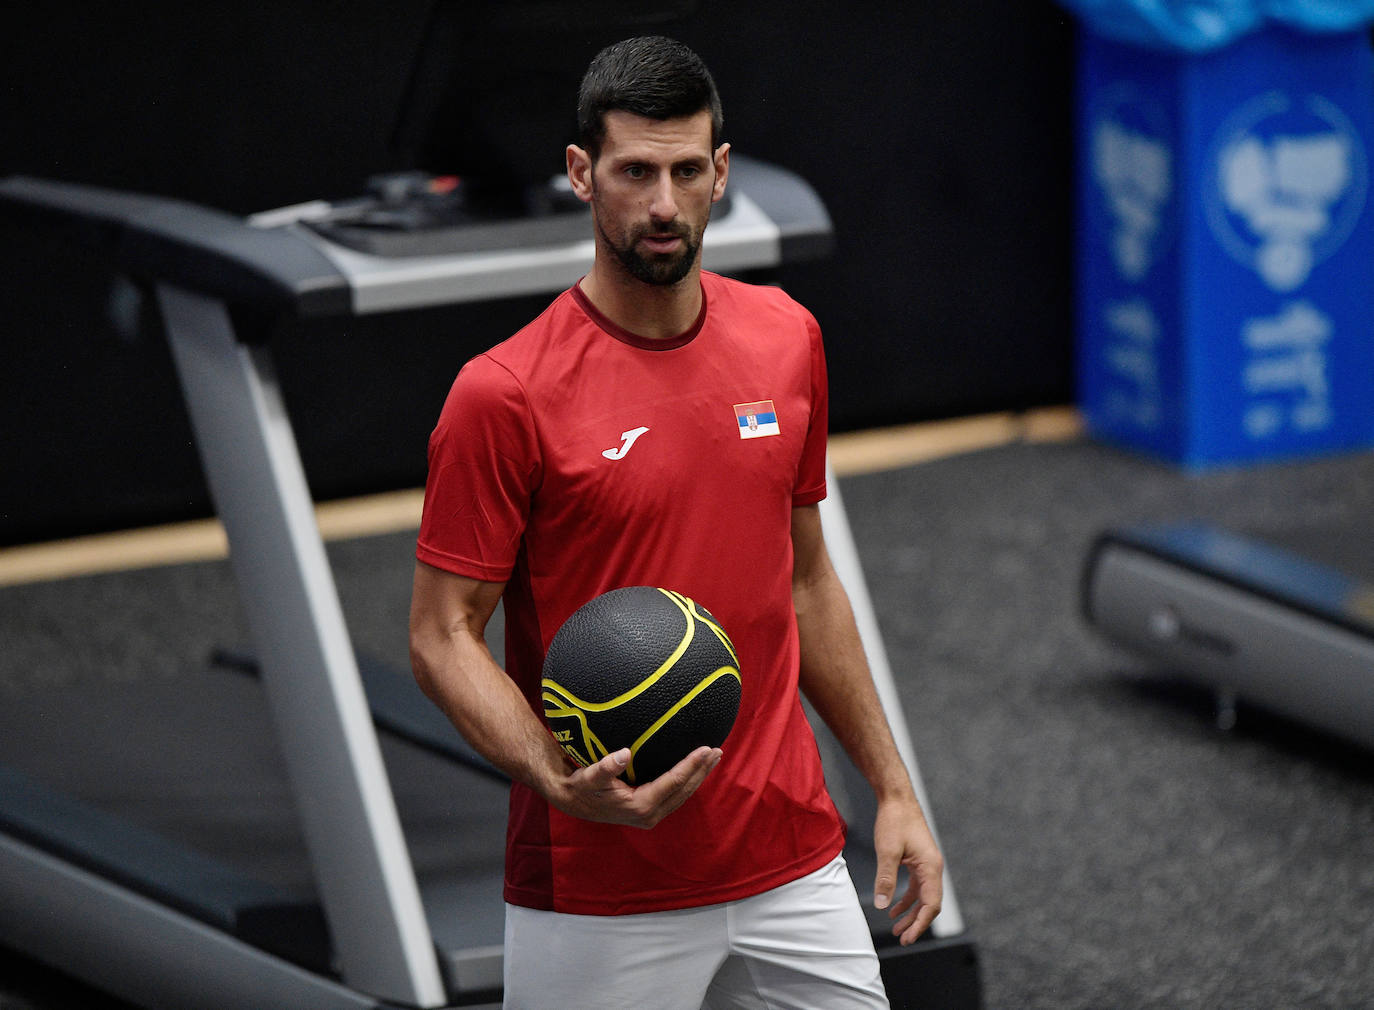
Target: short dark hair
650,76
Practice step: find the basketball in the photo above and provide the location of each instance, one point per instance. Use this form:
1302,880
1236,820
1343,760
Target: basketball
643,668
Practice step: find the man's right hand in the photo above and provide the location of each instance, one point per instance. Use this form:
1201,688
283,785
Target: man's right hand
598,793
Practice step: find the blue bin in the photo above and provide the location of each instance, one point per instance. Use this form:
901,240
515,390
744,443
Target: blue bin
1225,246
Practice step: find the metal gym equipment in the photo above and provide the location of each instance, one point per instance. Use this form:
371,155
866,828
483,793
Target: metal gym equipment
160,924
1244,618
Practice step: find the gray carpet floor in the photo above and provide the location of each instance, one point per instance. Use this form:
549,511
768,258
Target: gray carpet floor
1110,847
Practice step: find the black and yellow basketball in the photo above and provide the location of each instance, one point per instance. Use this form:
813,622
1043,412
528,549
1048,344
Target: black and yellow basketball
643,668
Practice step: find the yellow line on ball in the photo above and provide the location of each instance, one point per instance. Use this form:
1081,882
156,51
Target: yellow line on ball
683,702
647,682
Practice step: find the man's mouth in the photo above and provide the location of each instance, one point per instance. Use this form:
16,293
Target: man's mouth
662,242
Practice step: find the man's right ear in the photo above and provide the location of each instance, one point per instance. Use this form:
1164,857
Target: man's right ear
580,172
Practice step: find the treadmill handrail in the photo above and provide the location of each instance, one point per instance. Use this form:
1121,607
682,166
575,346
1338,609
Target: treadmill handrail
192,247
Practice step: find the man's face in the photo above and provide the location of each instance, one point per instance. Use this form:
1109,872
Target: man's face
651,191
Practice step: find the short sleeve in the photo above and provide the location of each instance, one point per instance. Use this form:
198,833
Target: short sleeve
483,470
811,486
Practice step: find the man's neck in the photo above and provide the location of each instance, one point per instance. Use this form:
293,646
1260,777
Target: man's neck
655,312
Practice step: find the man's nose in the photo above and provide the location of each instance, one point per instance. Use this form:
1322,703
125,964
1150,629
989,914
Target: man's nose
663,204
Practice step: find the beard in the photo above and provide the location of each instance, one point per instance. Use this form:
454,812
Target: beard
659,269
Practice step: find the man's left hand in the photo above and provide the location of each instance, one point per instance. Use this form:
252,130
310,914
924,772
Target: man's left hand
901,838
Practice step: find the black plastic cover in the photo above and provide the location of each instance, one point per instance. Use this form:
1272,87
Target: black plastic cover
171,241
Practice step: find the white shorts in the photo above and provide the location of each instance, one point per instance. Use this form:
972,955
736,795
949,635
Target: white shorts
804,945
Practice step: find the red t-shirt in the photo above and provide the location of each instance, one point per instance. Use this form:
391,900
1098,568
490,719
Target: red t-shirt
576,458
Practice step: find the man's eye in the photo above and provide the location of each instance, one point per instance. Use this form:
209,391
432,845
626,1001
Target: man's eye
635,171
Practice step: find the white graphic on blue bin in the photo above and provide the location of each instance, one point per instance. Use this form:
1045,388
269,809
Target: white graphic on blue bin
1132,356
1289,184
1285,374
1132,168
1132,165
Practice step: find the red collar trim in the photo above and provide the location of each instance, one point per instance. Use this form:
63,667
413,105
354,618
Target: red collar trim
634,339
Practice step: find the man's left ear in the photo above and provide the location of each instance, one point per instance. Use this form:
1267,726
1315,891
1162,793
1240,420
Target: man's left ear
722,162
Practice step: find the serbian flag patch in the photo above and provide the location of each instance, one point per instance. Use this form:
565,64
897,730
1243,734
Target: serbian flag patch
757,419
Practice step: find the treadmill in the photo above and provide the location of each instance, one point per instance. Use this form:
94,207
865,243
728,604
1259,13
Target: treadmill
1285,622
329,749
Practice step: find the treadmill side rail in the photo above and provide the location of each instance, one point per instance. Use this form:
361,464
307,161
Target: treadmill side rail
1233,634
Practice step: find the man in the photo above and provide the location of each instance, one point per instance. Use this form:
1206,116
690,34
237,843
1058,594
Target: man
601,447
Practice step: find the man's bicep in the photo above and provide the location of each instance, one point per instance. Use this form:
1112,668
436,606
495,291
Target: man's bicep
809,556
445,602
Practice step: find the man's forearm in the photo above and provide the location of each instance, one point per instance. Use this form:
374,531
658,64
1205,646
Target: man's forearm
462,678
836,680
